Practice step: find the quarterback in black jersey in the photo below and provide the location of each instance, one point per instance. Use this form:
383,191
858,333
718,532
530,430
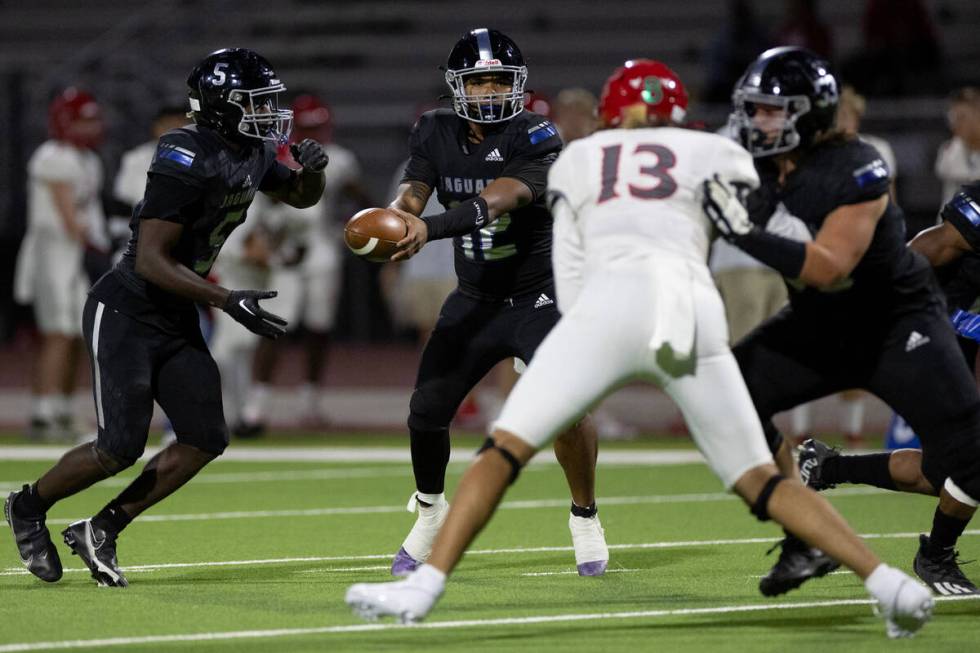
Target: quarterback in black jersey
487,159
865,311
140,322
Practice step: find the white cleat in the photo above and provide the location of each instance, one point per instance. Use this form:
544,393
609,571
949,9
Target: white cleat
906,607
409,600
417,546
589,540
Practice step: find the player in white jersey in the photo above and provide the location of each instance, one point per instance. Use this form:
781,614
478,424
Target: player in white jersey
64,219
631,241
309,286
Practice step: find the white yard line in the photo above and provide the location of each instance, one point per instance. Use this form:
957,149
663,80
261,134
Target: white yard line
436,625
17,571
530,504
570,572
650,457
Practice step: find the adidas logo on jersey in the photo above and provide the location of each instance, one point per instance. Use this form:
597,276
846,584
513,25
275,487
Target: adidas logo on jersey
915,341
543,300
494,155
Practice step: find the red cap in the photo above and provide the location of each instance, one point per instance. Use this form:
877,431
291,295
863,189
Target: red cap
65,116
643,81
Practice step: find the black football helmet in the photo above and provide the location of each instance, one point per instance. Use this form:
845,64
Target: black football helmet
236,93
795,79
479,52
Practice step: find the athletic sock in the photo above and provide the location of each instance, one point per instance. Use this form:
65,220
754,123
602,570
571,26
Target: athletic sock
946,530
44,408
869,469
29,503
588,512
112,518
429,499
255,408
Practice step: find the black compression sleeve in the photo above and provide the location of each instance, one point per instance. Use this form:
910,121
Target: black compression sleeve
782,254
460,220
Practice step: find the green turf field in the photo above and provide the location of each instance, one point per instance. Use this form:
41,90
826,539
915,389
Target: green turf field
256,556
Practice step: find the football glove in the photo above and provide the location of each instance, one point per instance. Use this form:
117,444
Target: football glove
243,306
725,210
310,154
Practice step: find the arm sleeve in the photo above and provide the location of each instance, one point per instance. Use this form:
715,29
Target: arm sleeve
420,166
535,151
963,212
168,198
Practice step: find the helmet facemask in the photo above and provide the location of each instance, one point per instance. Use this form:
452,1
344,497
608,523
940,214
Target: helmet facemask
759,141
490,107
261,116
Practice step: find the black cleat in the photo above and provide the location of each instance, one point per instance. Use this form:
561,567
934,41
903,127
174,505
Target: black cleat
798,563
97,549
941,572
34,544
812,455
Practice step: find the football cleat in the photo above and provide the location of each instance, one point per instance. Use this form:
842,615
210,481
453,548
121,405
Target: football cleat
798,562
941,572
905,607
589,540
417,546
812,456
408,600
97,549
34,544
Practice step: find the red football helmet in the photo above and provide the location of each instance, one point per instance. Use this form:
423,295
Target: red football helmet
643,81
539,103
75,117
312,118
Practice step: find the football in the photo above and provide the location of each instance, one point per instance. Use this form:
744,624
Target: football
373,233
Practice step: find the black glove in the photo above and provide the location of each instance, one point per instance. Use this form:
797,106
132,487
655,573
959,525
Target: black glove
310,155
243,305
725,210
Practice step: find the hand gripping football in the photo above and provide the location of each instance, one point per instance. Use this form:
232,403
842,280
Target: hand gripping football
373,233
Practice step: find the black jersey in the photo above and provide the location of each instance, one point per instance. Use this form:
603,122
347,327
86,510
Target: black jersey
512,255
889,276
197,180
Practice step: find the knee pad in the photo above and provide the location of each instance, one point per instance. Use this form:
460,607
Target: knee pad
761,506
515,466
773,437
111,463
428,415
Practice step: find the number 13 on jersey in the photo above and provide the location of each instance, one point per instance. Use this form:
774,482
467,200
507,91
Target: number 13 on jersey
651,160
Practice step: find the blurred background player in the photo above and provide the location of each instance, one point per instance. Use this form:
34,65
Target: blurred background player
66,224
487,158
629,224
308,279
958,160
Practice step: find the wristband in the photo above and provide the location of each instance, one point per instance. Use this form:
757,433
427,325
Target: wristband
460,220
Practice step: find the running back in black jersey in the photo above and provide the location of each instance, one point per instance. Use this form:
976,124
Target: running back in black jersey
197,180
512,255
841,172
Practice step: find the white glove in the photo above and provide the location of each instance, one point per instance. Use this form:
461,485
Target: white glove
725,210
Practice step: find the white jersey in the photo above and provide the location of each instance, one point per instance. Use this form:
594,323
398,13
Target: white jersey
636,194
55,161
636,297
131,179
956,164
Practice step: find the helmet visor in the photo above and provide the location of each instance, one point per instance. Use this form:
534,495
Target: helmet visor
488,94
262,117
766,124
